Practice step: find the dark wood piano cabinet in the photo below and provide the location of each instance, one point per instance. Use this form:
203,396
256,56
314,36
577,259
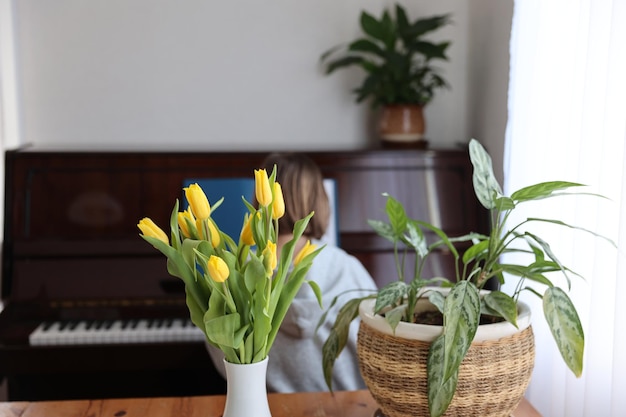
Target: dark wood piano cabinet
71,250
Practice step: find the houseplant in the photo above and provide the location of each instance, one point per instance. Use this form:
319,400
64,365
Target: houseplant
397,60
237,292
462,304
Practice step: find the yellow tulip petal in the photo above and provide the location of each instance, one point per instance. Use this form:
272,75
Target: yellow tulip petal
183,218
215,234
198,201
278,204
149,228
270,260
217,268
305,251
246,232
262,189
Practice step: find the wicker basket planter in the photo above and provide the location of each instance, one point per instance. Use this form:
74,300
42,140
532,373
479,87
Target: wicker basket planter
492,378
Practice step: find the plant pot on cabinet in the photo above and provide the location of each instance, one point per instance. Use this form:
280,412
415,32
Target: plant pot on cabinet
492,378
402,124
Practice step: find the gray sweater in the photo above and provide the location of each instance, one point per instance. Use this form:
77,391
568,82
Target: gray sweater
295,359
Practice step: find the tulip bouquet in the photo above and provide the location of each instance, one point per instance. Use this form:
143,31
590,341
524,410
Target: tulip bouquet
237,292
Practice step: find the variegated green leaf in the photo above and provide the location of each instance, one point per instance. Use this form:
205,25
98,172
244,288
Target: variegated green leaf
526,272
504,203
445,240
503,304
582,229
548,250
390,294
486,186
440,390
395,315
476,251
397,215
338,337
542,190
414,238
437,299
565,326
461,319
330,351
382,229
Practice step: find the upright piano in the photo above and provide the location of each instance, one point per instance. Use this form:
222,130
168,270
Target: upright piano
89,308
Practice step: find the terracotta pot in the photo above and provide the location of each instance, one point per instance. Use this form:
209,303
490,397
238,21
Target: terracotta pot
492,378
402,124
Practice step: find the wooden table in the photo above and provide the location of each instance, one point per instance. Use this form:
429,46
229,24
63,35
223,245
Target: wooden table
305,404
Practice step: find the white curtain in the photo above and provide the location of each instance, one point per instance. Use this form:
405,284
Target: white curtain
567,121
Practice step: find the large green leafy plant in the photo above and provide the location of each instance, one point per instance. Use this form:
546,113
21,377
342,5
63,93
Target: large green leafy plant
395,56
481,261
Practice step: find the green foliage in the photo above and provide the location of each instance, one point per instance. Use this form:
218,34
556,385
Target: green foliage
242,314
395,56
464,304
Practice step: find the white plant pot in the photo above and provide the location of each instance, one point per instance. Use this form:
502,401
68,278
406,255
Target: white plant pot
428,333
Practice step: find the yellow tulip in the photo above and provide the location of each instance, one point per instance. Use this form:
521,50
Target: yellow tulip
278,204
246,233
182,222
217,268
262,189
270,260
198,201
149,228
215,234
305,251
214,237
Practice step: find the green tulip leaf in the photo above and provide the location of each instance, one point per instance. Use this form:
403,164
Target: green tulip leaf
221,330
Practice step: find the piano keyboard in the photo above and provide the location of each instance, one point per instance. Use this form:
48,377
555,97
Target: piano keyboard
96,332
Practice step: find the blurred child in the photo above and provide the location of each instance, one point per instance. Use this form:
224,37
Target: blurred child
295,360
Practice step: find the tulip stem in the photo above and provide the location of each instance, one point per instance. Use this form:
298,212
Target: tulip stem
229,298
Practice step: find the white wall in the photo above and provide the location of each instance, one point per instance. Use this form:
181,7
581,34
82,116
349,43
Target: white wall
194,74
487,105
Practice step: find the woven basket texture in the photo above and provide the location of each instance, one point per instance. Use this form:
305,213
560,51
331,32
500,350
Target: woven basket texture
492,378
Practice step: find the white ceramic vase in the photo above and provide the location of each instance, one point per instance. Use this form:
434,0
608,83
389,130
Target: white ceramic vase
246,390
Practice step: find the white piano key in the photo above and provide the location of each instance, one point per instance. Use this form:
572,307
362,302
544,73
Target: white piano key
112,332
79,334
115,332
36,336
51,334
